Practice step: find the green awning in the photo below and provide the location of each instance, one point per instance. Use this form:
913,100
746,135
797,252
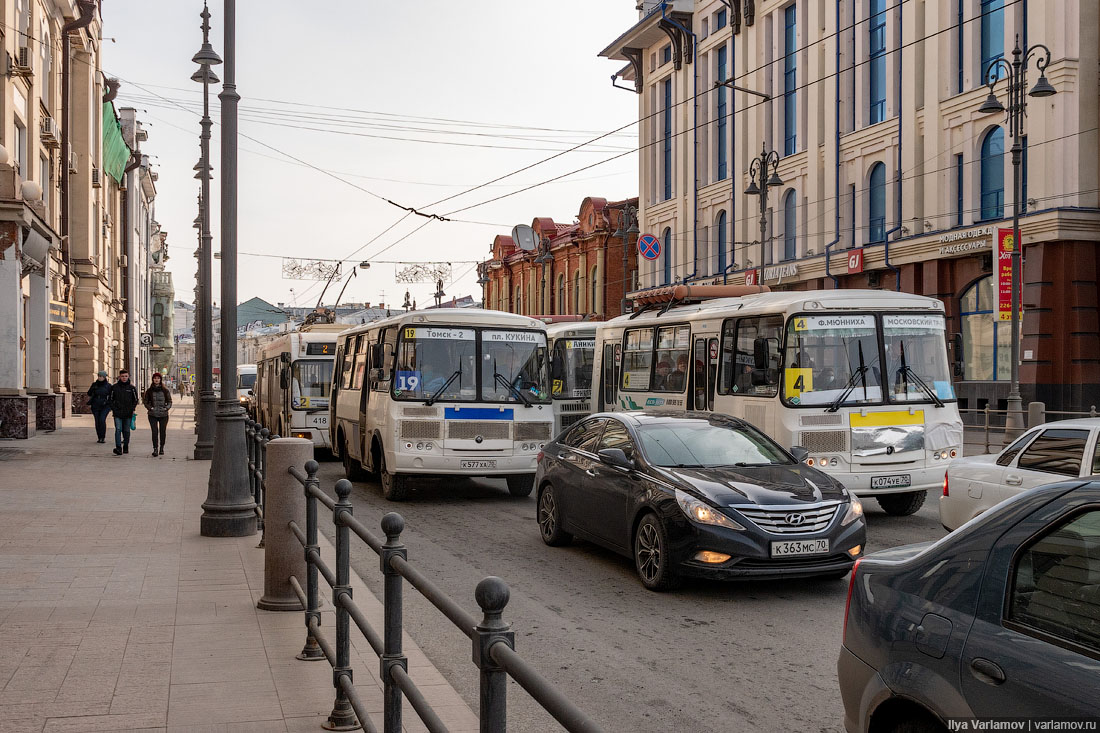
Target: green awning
116,153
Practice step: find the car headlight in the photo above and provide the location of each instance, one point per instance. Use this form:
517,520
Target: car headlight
701,513
855,511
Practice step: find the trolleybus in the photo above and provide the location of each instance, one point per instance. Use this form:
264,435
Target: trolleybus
858,378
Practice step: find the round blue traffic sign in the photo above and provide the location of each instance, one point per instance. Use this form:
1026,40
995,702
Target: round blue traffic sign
649,246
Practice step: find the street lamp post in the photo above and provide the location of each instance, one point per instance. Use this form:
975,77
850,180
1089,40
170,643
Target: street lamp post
229,510
1016,73
768,161
629,214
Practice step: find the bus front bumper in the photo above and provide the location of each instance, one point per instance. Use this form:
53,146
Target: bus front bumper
490,465
892,479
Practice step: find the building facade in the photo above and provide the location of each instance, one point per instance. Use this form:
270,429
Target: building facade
580,269
889,175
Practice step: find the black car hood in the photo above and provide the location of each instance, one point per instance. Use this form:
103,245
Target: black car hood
763,485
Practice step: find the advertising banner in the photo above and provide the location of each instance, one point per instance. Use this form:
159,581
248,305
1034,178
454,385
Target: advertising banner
1003,266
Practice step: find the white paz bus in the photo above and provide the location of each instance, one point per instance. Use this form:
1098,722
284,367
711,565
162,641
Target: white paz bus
572,348
858,378
447,392
294,382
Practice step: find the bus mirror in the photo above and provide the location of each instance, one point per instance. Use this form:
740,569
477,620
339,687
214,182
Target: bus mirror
377,375
376,354
760,353
759,377
284,378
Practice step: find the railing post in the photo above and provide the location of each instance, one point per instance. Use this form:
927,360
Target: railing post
342,716
262,439
283,556
492,595
1036,413
312,650
249,432
986,427
393,524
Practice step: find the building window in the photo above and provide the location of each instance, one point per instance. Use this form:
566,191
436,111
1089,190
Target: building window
517,307
666,54
578,293
876,210
986,341
666,139
960,34
594,307
721,227
720,20
561,294
158,319
666,257
993,35
19,160
876,43
959,187
44,179
993,174
721,116
790,225
790,82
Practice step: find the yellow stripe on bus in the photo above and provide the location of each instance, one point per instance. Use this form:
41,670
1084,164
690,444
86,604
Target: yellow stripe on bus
883,419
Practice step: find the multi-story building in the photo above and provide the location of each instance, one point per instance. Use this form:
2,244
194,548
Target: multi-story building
583,269
889,174
160,355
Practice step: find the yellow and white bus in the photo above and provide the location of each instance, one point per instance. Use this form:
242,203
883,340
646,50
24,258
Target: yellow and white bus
858,378
446,392
572,348
294,382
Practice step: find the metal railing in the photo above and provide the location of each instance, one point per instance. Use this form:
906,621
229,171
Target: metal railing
987,426
493,639
256,439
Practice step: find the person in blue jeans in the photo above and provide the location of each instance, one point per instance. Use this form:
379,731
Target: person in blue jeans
98,401
124,401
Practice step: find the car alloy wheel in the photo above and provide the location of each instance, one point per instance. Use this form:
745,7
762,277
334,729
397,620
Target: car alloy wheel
549,519
651,555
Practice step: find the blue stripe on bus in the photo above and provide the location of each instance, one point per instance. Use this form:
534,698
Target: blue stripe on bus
477,413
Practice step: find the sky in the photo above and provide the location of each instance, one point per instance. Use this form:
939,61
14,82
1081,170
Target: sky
334,96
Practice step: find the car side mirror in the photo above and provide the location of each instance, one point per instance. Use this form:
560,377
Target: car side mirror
616,458
800,454
251,393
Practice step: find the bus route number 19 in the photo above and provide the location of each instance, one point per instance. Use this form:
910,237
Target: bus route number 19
407,381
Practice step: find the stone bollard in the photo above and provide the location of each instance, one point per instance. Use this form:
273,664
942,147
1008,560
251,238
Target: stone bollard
286,501
1036,413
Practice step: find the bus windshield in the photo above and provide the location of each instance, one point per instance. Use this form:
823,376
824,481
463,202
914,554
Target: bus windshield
830,357
916,358
571,368
514,366
436,362
246,381
310,384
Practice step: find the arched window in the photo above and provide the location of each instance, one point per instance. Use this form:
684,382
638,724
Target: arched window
876,209
561,293
578,293
986,341
790,225
993,174
593,304
666,256
720,225
517,306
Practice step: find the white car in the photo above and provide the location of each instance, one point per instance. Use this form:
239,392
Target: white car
1047,453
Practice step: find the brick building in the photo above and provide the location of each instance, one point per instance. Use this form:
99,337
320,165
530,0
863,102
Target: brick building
584,268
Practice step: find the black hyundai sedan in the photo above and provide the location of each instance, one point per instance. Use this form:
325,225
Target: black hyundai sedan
692,493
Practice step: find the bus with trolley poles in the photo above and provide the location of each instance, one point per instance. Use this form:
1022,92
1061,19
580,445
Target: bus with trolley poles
859,379
572,346
294,382
447,392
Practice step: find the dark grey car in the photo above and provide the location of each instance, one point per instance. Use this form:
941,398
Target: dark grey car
1001,618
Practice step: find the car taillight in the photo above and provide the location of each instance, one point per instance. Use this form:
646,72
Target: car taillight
945,492
848,603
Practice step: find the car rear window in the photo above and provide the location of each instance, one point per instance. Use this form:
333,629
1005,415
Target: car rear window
1058,451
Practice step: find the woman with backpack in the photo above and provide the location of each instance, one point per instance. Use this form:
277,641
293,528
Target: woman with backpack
157,400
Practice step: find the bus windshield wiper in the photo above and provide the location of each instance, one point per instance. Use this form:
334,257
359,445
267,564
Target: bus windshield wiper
859,373
435,395
908,371
500,379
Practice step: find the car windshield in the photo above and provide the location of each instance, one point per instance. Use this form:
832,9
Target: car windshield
701,444
437,362
514,366
829,357
246,381
310,384
916,358
571,368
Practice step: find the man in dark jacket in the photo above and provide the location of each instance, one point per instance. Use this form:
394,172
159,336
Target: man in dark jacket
98,395
124,400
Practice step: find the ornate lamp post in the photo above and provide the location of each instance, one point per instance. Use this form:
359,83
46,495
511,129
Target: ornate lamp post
623,233
1016,73
768,161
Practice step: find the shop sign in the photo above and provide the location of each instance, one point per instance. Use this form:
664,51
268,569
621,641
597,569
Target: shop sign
968,240
1006,243
60,315
855,261
776,272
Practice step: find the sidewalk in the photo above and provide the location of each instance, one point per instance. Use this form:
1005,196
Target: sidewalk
115,614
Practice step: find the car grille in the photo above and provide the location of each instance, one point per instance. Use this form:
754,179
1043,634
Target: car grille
469,429
824,441
419,430
815,518
532,431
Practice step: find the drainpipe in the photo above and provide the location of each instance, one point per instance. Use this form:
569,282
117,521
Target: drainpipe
87,15
694,142
836,147
127,245
897,177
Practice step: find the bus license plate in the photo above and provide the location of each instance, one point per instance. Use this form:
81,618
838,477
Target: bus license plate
898,480
478,464
800,547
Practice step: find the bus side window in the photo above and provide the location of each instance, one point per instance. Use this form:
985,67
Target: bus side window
360,360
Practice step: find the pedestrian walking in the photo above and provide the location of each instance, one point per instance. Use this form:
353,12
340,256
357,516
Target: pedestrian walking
157,400
124,401
98,400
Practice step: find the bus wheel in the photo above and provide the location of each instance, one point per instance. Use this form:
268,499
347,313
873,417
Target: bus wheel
353,469
902,505
521,485
395,486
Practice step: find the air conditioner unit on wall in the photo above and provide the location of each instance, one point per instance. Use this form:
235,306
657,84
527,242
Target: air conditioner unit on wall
21,62
72,159
96,177
49,129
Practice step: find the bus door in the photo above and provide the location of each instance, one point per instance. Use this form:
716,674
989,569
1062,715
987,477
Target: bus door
609,376
704,369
